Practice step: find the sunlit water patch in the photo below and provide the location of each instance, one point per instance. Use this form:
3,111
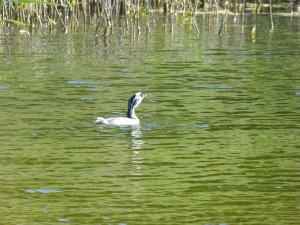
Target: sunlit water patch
63,220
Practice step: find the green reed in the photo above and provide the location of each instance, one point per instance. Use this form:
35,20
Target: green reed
66,14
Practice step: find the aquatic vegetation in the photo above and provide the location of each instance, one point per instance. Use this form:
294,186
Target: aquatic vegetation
104,15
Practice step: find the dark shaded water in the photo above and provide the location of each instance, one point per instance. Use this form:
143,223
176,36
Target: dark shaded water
219,137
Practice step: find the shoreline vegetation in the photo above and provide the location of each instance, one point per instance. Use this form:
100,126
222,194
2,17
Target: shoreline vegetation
104,14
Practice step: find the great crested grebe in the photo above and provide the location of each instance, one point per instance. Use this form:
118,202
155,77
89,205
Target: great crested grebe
131,118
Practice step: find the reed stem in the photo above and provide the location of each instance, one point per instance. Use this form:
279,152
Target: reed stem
47,13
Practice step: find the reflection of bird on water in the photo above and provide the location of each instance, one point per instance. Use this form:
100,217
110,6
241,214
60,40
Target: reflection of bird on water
131,118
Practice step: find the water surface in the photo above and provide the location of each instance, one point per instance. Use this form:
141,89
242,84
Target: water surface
219,137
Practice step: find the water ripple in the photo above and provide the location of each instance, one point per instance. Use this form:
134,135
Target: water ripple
127,71
43,191
3,87
87,99
94,89
78,82
212,87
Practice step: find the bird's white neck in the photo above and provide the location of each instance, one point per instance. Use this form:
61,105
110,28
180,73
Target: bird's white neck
131,113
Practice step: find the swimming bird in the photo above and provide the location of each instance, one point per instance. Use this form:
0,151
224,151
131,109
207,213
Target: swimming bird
131,118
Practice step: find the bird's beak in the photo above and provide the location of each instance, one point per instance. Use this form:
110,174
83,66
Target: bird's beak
144,94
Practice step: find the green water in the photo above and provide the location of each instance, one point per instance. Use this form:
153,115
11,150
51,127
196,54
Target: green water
219,135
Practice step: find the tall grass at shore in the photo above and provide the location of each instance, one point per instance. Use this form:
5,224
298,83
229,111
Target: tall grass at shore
66,14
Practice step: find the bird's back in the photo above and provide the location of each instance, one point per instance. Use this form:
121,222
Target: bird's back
117,121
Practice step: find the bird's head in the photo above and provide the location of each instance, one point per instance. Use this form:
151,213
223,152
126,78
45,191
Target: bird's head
136,99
